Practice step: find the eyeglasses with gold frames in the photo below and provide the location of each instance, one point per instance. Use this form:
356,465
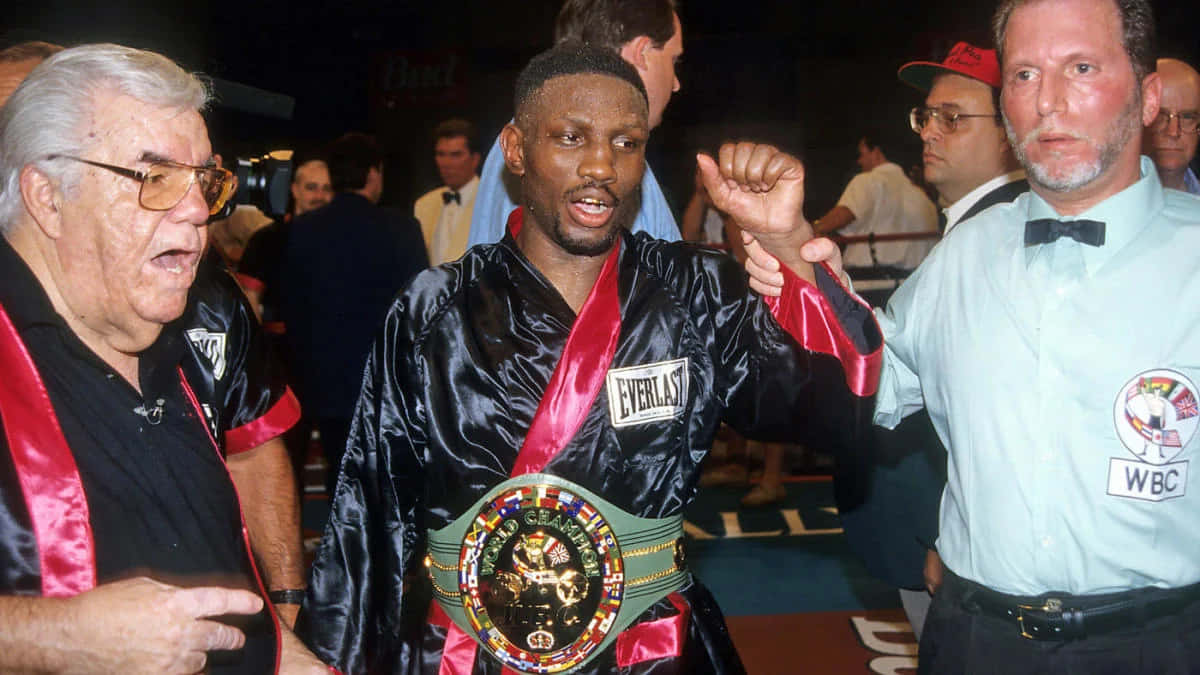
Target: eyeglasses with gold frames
1189,120
165,184
947,120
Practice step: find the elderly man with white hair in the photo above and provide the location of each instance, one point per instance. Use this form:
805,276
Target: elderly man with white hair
123,534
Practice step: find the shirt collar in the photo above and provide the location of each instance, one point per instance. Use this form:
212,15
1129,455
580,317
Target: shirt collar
25,301
955,211
1190,182
467,192
1124,215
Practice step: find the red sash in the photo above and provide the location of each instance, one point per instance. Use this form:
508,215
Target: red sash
46,470
803,311
573,388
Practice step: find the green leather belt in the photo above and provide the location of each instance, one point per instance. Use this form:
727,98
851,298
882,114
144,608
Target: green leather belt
544,574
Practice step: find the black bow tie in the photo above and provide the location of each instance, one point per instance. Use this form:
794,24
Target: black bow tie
1047,230
451,196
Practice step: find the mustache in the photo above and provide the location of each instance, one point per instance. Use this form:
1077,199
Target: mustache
1039,132
592,185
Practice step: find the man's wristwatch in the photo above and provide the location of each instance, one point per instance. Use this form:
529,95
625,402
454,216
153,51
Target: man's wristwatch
287,596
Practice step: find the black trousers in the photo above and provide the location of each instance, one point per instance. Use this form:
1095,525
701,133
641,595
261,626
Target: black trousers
959,641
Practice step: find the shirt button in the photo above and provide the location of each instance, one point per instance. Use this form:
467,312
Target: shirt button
1047,541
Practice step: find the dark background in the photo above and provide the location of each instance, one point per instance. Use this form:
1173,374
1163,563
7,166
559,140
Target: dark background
810,76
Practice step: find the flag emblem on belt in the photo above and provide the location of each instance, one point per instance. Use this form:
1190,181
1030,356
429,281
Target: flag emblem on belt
541,578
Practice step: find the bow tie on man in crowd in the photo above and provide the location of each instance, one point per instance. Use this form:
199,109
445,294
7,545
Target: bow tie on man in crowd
451,196
1048,230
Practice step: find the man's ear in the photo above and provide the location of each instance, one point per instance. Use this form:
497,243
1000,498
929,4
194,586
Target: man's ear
512,144
634,51
42,199
1151,98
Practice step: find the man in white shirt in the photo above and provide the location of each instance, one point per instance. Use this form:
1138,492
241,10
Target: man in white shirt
881,200
445,212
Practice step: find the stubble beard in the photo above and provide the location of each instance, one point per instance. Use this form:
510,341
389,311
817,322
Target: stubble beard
624,213
1118,135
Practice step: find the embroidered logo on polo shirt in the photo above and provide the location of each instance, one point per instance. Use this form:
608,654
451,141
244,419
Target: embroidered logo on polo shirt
1156,417
641,394
212,345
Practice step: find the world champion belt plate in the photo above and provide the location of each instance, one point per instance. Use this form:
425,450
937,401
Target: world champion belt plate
541,578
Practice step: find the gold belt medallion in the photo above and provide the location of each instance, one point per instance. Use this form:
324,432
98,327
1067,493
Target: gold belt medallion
541,578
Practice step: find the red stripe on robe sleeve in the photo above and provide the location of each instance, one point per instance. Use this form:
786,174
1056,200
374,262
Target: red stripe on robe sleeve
281,417
805,313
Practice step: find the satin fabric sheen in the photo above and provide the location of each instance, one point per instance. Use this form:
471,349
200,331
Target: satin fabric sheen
452,384
251,400
47,473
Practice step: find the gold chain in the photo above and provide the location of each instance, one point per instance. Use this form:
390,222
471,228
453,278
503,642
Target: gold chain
441,591
649,549
430,562
652,577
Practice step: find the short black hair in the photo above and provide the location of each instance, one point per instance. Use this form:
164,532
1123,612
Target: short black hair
350,158
571,58
454,128
871,139
612,23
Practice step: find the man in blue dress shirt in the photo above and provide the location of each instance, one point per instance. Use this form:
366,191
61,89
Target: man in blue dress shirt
647,34
1053,341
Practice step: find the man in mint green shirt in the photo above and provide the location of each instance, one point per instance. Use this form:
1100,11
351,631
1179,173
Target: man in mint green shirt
1055,343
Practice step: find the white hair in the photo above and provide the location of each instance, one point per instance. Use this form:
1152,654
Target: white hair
50,112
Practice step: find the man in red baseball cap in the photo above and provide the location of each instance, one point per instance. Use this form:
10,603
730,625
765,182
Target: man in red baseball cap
967,156
968,159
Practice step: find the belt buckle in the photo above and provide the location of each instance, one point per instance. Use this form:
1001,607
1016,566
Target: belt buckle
1052,608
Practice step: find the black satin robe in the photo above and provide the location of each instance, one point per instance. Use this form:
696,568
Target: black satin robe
450,388
242,388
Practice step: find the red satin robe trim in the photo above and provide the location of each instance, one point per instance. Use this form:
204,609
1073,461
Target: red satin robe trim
803,311
281,417
458,653
249,283
262,589
46,470
659,639
579,375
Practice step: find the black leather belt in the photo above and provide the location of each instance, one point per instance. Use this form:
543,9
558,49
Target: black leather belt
1061,617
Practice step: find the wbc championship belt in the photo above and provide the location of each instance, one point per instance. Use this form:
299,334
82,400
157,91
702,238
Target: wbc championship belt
544,574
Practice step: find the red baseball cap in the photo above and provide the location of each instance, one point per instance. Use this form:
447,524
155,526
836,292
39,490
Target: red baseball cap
965,59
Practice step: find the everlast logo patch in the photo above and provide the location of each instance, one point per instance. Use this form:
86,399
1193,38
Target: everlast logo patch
212,345
643,394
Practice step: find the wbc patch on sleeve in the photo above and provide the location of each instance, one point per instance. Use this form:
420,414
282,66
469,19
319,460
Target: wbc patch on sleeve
641,394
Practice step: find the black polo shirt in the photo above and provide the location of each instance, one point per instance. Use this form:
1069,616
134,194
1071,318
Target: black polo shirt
160,499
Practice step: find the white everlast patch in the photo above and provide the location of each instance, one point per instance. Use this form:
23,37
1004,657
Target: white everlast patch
212,345
641,394
1156,417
